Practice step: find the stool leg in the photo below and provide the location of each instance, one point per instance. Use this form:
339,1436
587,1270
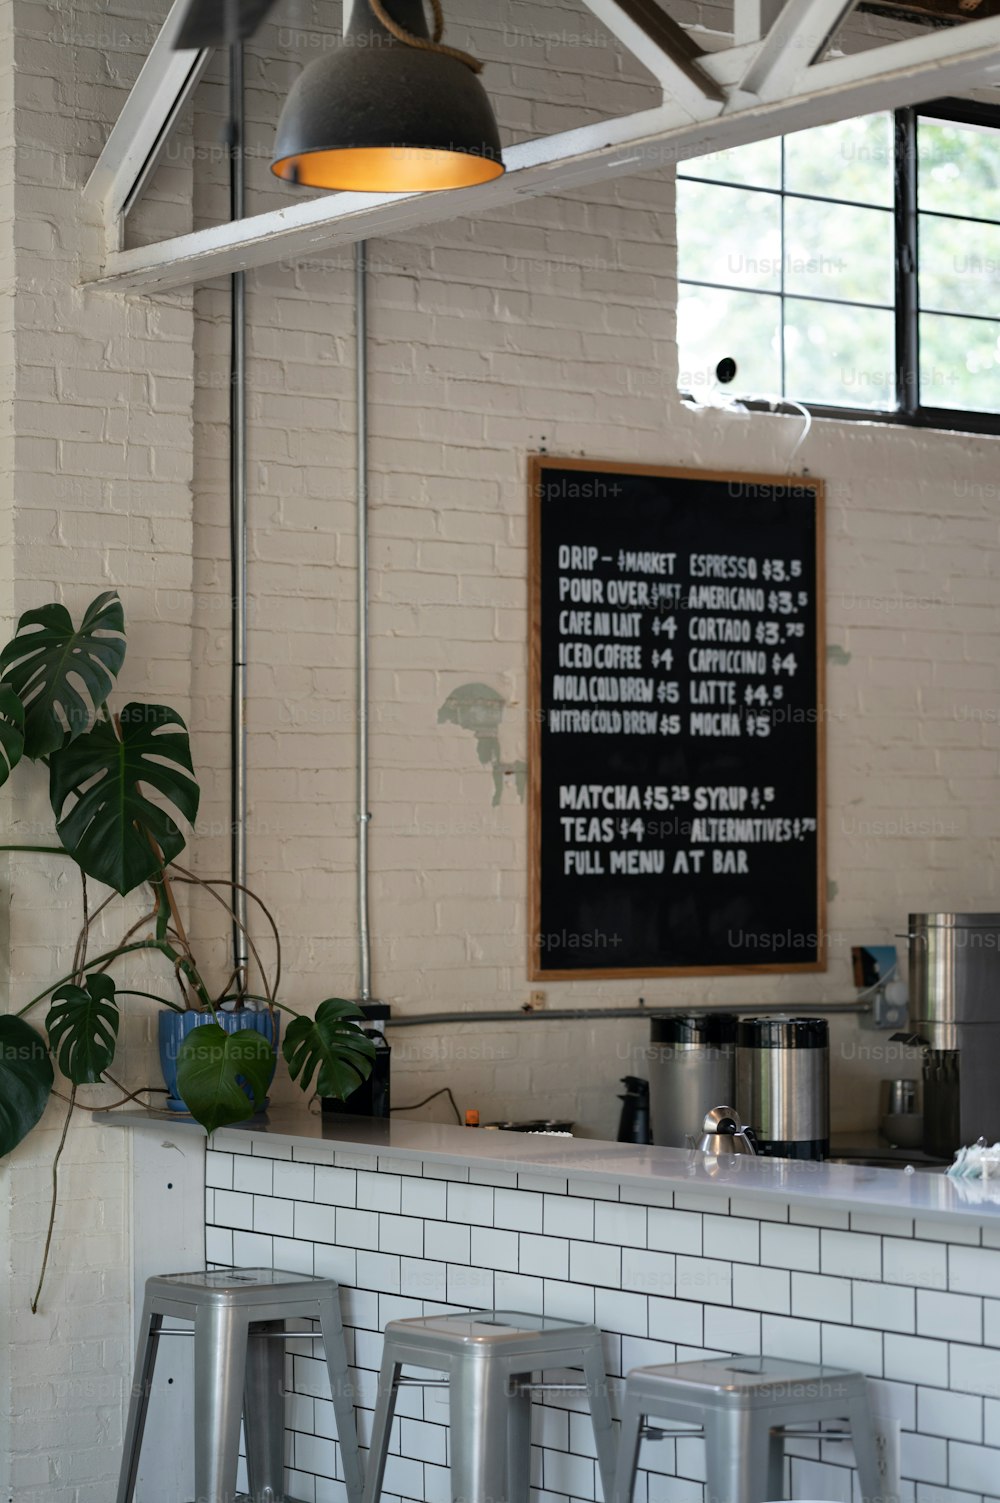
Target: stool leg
875,1488
145,1361
600,1417
342,1390
518,1439
480,1412
385,1408
776,1467
264,1412
220,1348
628,1449
738,1452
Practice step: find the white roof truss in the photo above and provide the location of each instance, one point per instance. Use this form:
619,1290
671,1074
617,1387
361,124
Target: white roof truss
776,78
799,34
133,150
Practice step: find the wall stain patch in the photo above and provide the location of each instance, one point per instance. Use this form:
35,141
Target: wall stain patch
837,656
832,889
479,709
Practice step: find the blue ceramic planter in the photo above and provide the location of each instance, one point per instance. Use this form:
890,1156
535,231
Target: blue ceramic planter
175,1027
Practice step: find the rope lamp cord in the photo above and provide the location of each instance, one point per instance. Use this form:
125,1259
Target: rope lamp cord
402,35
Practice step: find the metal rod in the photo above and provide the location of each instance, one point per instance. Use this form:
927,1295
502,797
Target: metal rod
289,1335
788,1432
552,1388
267,1335
238,524
364,816
563,1014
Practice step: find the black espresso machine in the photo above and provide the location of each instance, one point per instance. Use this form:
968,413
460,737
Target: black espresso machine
371,1099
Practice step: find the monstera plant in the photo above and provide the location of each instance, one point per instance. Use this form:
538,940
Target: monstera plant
121,787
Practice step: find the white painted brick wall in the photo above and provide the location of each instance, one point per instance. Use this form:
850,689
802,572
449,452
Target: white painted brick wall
412,1239
97,495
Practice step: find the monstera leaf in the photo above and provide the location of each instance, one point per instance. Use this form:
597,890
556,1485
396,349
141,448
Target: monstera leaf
83,1028
330,1047
216,1069
11,731
50,660
25,1080
109,826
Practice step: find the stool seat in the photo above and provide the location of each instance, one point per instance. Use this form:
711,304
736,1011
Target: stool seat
232,1286
236,1280
239,1317
744,1382
746,1407
511,1332
491,1358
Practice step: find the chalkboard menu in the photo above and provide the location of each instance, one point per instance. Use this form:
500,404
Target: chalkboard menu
676,780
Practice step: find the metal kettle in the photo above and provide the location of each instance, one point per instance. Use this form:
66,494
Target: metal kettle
723,1133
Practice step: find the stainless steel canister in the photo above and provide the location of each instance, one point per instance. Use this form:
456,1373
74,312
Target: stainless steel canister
954,973
692,1059
954,978
783,1085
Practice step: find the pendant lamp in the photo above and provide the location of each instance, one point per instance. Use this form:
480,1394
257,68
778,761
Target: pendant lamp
389,110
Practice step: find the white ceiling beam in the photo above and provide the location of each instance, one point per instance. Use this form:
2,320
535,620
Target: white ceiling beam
665,48
753,19
798,36
883,78
945,60
140,133
307,229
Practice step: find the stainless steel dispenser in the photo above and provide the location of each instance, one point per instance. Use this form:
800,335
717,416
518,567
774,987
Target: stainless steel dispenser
955,1015
692,1059
783,1085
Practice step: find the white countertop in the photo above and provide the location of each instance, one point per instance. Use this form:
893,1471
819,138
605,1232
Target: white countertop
836,1186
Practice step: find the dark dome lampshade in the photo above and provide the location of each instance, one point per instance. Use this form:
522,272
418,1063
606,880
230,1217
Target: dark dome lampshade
379,115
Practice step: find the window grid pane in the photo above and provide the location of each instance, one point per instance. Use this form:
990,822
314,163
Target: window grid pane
958,275
958,168
816,336
959,271
794,267
850,159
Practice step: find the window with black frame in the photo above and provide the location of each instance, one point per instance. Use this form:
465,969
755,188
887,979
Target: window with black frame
853,268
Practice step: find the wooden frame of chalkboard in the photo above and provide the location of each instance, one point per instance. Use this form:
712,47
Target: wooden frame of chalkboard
681,938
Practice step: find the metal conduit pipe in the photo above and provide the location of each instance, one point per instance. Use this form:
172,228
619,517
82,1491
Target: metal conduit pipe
563,1014
238,524
363,813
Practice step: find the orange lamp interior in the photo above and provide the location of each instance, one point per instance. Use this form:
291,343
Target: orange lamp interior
387,169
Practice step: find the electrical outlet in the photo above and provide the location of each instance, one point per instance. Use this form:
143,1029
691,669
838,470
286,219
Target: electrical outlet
889,1007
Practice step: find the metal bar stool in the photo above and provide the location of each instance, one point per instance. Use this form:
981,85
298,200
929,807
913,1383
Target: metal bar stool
490,1359
238,1316
746,1407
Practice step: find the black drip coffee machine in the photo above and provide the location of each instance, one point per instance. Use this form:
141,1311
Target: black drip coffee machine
371,1099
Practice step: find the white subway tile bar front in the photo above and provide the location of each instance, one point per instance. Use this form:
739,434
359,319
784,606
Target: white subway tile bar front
407,1237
